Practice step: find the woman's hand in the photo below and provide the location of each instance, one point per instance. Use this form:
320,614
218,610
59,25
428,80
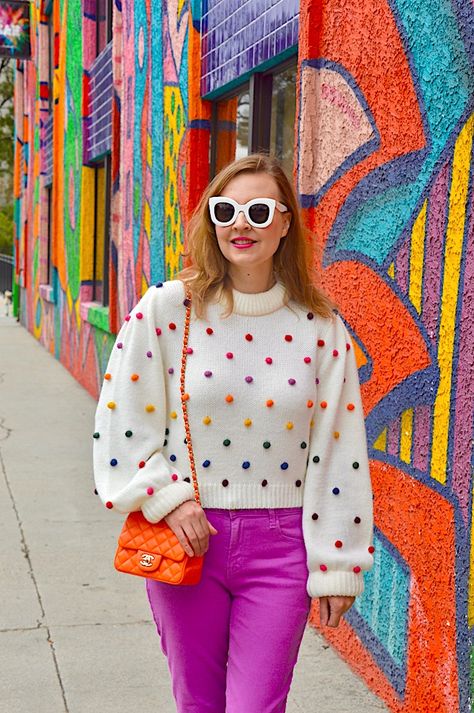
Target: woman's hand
332,608
191,526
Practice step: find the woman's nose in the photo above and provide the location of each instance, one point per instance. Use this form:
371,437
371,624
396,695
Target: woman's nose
241,221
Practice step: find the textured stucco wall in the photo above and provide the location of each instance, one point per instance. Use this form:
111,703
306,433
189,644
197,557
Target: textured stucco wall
385,140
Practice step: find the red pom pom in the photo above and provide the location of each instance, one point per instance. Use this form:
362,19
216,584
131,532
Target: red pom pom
109,505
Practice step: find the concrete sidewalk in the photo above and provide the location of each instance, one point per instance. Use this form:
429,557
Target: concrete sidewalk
75,635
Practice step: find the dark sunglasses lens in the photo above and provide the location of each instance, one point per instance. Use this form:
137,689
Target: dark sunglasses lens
259,212
224,212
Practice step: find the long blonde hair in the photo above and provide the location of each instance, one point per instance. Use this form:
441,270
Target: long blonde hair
206,270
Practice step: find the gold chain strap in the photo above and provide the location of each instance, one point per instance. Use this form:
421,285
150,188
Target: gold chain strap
185,396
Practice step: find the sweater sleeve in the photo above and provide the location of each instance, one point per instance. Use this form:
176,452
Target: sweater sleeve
337,504
130,471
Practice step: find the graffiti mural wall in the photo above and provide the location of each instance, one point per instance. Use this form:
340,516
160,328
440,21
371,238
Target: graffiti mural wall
385,177
383,169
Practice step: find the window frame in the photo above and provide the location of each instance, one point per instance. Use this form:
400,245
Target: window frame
260,88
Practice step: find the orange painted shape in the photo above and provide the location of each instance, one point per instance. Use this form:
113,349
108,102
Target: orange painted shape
382,324
432,673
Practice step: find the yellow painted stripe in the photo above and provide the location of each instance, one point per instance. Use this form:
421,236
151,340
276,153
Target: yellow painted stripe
147,219
406,435
391,271
149,153
417,255
381,443
452,264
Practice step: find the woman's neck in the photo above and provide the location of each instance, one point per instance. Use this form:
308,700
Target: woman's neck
253,281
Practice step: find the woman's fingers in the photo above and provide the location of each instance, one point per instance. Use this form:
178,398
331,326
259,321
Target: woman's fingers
323,610
191,526
334,608
183,541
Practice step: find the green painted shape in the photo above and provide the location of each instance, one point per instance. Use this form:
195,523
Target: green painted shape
99,317
136,200
36,259
73,146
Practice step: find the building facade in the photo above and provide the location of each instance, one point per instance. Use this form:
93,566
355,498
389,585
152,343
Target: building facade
122,115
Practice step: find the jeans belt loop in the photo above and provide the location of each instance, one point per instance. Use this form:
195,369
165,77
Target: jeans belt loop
272,518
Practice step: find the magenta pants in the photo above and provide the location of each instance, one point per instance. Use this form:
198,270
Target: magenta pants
232,640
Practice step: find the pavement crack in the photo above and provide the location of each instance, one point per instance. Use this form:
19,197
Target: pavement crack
5,432
26,553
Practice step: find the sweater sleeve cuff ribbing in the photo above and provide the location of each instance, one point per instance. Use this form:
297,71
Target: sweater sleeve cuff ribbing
167,499
335,584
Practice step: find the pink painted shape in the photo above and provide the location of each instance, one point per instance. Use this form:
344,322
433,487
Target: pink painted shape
125,267
421,437
335,126
402,266
393,438
436,226
464,374
173,39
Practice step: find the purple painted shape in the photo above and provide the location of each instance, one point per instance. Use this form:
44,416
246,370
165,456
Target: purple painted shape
402,266
464,390
436,227
421,437
233,28
393,437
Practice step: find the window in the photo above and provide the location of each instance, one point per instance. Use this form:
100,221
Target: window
103,188
260,116
49,229
103,25
103,164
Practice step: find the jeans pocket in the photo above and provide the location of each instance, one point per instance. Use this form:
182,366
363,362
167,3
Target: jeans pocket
290,525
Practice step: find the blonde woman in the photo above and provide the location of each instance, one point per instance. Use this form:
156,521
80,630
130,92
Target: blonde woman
279,442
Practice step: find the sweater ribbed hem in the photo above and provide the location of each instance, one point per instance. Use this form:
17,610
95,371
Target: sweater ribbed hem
167,499
237,496
342,584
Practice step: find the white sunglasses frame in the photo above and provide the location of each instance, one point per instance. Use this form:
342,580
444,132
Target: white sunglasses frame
271,203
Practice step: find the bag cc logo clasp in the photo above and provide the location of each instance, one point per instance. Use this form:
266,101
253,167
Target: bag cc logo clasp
147,560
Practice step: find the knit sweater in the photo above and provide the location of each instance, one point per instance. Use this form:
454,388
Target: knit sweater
275,416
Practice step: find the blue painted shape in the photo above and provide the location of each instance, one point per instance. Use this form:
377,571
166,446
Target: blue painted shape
380,615
382,204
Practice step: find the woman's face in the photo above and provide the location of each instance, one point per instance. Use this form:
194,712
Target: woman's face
242,189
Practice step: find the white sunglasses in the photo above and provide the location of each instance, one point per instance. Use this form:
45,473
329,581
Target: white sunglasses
259,211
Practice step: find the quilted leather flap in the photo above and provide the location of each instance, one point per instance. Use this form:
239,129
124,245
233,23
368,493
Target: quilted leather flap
139,534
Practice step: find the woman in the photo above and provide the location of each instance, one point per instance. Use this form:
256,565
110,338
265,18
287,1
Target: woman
279,444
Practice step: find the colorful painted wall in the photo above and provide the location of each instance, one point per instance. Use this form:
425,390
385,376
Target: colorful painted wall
383,168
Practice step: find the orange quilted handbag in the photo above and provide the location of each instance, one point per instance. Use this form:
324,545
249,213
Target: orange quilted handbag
152,549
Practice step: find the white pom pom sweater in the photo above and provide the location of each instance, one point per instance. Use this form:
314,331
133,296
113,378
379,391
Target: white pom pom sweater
275,416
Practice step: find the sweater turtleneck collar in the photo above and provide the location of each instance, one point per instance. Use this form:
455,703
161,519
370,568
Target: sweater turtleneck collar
258,303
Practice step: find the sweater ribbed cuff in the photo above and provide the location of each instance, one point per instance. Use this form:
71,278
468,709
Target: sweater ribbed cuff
335,584
167,499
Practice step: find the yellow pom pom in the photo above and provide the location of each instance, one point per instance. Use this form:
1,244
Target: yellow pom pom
248,422
206,420
289,425
150,408
173,414
111,404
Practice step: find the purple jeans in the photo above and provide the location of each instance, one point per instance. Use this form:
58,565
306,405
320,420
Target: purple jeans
232,640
